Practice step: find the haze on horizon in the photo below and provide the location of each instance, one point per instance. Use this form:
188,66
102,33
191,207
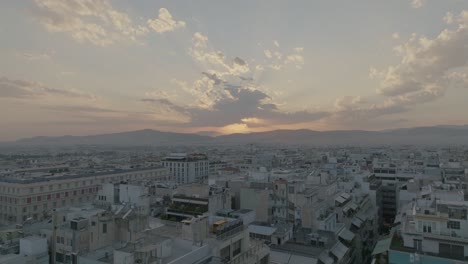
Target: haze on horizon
83,67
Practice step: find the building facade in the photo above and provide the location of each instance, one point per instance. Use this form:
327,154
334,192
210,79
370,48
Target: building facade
24,198
187,168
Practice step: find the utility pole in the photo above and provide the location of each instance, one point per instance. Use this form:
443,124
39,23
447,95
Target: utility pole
54,235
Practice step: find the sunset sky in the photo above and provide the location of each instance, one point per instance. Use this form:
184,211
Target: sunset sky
81,67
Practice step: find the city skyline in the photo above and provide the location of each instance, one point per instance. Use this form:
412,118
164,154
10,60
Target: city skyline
89,67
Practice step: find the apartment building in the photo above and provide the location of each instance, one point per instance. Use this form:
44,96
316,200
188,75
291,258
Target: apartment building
187,168
193,200
433,228
29,196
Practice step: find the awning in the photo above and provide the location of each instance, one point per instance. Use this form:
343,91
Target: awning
339,250
346,208
357,222
346,234
340,200
346,195
353,206
382,246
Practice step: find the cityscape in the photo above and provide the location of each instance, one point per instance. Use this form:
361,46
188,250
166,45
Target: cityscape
232,132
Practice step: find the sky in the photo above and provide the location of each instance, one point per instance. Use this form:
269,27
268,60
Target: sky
82,67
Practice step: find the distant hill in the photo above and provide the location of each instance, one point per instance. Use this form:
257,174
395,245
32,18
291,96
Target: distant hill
132,138
436,135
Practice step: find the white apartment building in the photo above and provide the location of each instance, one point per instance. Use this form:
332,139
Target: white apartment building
187,168
435,224
24,196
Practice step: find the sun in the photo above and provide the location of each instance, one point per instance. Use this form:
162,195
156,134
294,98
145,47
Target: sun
234,128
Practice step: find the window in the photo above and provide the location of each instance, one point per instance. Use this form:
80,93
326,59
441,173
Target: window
57,196
453,225
39,198
28,200
59,257
104,228
49,196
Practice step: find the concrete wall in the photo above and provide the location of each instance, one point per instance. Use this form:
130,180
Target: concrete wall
132,194
257,200
33,246
121,257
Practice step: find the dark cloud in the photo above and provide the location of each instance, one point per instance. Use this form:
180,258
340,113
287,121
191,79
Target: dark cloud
246,78
239,61
240,102
213,77
25,89
80,109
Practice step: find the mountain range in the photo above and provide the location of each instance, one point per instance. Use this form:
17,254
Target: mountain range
435,135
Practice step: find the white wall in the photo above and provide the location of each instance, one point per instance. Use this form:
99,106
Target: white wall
33,246
121,257
132,194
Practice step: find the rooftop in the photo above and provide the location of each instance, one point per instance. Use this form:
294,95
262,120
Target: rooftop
24,179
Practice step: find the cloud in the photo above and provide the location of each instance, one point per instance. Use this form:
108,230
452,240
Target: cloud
214,61
98,22
396,35
35,56
165,22
81,109
426,62
22,89
448,18
427,69
213,77
276,43
239,105
417,3
277,60
239,61
295,59
226,93
459,78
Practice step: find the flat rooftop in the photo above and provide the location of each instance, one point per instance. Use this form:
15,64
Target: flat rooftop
23,179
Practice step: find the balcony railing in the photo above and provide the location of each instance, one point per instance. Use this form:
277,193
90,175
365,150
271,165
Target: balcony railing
231,232
183,212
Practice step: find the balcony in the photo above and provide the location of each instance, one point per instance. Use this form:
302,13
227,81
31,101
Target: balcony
452,236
